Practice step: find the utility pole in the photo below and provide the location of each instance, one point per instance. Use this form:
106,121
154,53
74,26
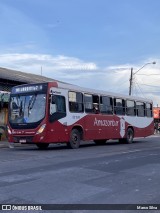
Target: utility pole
131,81
131,77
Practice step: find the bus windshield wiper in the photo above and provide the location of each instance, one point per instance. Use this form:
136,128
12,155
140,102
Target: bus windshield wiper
31,103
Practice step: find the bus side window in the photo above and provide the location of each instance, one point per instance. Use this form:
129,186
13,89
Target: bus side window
91,103
95,104
140,106
119,106
53,107
130,108
57,107
88,101
148,110
60,103
76,102
106,105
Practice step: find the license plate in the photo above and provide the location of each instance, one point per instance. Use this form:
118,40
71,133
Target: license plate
22,140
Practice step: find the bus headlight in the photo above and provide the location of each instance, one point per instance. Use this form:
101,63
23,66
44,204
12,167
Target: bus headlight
41,129
8,130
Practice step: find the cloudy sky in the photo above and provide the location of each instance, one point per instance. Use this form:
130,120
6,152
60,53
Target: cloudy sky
90,43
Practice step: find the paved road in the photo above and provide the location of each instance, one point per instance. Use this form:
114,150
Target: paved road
110,174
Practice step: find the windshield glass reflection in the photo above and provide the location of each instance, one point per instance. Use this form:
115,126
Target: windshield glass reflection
27,108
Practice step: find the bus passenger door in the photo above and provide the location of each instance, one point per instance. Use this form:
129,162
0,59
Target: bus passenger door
57,114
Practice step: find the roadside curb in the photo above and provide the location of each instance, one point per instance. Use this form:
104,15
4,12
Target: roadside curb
6,144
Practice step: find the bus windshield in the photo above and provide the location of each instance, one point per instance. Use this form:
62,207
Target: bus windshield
28,108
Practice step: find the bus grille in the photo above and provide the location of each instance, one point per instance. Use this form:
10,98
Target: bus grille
28,139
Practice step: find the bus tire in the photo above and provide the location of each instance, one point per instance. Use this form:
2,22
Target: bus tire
74,141
129,136
100,142
42,145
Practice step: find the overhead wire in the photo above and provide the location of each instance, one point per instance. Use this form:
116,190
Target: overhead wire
137,84
150,85
148,74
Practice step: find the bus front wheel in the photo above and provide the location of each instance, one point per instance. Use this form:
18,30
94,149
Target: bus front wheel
74,141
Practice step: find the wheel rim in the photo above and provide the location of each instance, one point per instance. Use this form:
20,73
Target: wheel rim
130,136
74,139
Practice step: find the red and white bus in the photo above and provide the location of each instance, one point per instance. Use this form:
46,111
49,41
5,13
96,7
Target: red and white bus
56,112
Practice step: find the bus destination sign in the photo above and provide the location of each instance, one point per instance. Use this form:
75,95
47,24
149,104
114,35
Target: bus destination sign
29,88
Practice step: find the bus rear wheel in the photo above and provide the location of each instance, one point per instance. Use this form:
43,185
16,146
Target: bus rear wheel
74,141
129,137
42,145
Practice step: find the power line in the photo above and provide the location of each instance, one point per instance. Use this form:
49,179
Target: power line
141,91
148,74
136,91
150,85
152,92
136,83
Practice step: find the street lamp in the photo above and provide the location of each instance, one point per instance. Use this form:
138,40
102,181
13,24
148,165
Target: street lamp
131,77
